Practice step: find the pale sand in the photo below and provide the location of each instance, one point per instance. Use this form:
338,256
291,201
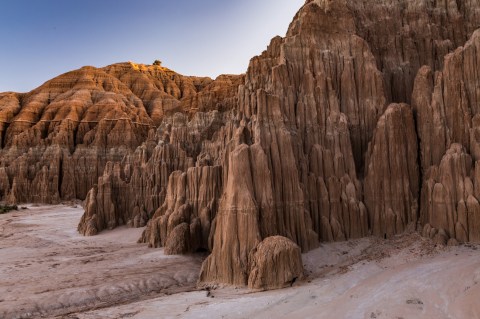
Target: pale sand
47,268
109,276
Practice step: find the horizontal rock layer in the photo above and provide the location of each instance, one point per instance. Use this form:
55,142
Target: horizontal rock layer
57,139
305,146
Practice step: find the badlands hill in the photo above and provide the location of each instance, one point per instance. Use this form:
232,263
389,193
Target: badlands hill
57,139
364,119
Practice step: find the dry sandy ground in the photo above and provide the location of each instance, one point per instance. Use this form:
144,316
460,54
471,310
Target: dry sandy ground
48,269
402,278
109,276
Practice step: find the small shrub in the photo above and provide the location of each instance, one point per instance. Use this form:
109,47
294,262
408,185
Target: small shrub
7,208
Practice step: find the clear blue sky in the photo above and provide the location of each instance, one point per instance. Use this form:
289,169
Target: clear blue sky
40,39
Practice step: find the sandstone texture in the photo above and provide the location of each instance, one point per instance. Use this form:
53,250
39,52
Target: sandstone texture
364,119
277,263
392,175
447,104
56,140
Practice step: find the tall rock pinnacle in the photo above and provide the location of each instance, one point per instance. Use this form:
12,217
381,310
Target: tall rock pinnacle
364,119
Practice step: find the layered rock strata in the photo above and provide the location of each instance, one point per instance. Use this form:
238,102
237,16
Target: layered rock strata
57,139
311,151
305,147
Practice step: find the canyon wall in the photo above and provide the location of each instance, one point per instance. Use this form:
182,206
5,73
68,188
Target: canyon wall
362,120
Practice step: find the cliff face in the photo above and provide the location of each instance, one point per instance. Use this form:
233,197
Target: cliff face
448,108
306,147
407,34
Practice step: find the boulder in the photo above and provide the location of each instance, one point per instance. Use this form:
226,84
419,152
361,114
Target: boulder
178,242
276,263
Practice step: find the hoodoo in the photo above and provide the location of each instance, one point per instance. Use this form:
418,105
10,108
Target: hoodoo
364,119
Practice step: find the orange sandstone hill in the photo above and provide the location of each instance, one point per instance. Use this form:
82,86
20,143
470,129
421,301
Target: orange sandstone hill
57,139
364,119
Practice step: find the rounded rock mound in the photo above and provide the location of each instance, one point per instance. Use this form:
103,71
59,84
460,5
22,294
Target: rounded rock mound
276,263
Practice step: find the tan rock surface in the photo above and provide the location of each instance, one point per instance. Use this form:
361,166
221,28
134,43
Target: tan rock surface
407,34
448,118
302,146
293,148
57,139
191,199
276,263
392,174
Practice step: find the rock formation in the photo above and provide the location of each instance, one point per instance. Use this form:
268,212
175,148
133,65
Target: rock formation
447,105
278,253
57,139
404,35
191,199
392,175
316,142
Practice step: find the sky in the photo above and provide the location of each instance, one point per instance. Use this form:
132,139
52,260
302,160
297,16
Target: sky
40,39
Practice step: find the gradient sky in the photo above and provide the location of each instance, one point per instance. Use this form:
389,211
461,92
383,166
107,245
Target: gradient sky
40,39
